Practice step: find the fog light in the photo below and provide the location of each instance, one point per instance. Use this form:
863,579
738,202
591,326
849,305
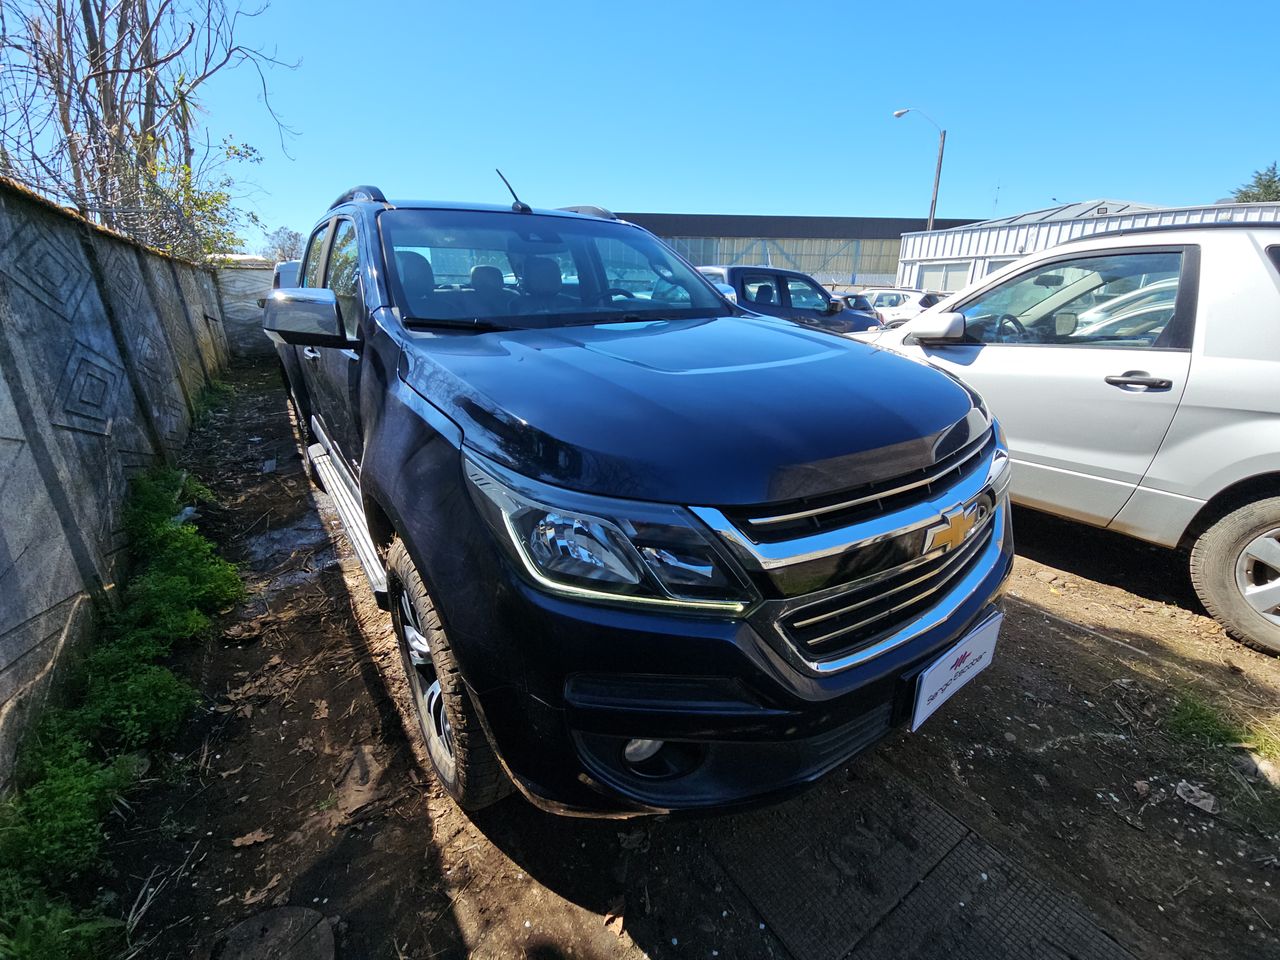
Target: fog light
638,751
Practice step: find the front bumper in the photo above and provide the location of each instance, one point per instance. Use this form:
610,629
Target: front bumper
744,718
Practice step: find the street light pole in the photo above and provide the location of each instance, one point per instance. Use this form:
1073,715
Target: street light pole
942,145
937,176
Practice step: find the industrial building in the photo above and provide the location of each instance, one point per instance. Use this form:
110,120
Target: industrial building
837,251
945,260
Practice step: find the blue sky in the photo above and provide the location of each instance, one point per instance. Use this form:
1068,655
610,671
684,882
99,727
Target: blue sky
751,107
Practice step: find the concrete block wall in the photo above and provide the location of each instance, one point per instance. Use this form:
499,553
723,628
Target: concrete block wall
240,286
104,347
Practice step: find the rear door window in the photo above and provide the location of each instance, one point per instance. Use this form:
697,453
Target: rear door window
761,288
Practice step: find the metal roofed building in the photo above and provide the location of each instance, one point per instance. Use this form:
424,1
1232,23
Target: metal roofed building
948,259
854,251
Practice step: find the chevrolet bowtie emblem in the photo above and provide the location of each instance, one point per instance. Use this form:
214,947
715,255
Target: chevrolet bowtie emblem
955,528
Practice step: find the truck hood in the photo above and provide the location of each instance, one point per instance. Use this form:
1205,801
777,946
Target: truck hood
718,412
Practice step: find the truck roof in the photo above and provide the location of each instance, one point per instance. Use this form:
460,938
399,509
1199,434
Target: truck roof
371,194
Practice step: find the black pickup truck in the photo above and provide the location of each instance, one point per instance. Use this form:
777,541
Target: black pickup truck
643,551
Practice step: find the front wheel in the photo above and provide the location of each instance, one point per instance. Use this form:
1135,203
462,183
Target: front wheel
461,756
1235,567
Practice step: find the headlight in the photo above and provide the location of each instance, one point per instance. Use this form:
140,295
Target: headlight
599,548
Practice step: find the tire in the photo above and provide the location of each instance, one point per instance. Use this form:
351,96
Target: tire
463,760
1235,567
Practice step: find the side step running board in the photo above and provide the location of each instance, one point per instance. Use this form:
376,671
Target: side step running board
353,522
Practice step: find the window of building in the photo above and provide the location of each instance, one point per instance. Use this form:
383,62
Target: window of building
944,277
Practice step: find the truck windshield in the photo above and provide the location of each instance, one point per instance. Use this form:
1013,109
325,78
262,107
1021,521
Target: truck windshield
516,270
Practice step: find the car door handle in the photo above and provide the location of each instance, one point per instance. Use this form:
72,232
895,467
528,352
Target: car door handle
311,353
1139,378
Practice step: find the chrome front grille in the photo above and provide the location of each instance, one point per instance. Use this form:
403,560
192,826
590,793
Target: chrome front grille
817,514
902,558
862,614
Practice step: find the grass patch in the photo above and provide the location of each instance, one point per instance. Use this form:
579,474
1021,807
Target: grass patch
80,757
1197,722
214,395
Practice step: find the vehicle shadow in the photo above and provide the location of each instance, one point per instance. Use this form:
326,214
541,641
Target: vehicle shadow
1151,572
995,778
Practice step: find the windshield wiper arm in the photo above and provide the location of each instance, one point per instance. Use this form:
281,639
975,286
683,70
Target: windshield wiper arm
483,326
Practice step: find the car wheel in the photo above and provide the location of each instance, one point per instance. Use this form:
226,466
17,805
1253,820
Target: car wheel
461,756
1235,566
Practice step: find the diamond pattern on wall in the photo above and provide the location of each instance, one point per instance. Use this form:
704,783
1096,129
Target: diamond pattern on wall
120,268
46,267
87,396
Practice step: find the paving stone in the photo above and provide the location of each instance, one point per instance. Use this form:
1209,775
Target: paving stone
976,905
824,868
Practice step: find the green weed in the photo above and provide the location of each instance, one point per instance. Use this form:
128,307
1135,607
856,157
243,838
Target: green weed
35,927
210,398
76,762
1197,722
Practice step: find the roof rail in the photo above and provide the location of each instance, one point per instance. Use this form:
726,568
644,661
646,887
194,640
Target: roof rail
362,192
590,211
1175,227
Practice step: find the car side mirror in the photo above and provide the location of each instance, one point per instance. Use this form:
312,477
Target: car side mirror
940,327
305,317
835,306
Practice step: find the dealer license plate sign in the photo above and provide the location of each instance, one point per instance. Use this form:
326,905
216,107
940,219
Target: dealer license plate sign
939,681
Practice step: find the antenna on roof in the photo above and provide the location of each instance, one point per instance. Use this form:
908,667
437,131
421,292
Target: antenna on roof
519,206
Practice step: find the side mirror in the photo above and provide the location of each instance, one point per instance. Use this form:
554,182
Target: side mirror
937,327
834,306
726,291
304,316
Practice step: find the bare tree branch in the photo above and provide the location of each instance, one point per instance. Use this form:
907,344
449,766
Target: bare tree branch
100,107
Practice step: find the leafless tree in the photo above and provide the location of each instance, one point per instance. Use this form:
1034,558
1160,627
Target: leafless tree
283,244
101,105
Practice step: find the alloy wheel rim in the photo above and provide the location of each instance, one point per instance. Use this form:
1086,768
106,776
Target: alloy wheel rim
1258,575
423,683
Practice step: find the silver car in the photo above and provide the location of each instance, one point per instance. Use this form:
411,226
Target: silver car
1137,375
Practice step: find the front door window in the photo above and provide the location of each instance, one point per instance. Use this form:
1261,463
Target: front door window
805,295
1112,300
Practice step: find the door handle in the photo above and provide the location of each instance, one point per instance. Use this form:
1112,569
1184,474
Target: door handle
311,353
1139,378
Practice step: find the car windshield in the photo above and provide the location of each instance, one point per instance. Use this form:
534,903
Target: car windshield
518,270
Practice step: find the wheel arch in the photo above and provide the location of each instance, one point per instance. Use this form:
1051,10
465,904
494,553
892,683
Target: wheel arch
382,529
1227,500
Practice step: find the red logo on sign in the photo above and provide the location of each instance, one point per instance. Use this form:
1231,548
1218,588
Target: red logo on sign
960,660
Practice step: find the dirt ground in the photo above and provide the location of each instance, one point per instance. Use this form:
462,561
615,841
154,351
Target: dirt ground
297,784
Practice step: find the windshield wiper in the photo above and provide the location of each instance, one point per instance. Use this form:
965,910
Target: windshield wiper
481,326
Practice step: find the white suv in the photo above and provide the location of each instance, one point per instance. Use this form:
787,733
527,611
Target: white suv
895,306
1137,374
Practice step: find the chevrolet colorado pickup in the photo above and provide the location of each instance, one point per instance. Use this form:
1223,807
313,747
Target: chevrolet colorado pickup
643,551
